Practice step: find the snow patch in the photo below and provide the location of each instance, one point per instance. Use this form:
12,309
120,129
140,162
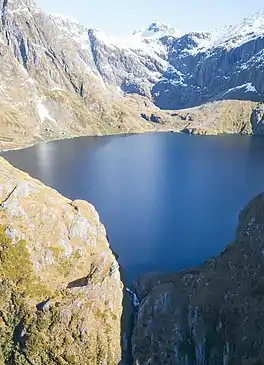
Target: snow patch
65,244
56,89
83,40
30,81
44,113
177,83
248,86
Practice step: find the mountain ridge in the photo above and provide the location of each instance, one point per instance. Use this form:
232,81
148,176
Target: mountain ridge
62,80
172,64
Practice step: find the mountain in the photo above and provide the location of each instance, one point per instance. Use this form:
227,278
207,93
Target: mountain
180,71
223,64
50,86
60,79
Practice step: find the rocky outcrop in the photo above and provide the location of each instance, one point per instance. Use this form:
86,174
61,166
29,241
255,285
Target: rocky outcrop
60,288
212,314
257,120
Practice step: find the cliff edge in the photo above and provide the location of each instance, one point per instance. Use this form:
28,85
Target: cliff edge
212,314
60,288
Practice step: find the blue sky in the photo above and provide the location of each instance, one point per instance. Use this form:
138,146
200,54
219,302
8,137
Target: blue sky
121,17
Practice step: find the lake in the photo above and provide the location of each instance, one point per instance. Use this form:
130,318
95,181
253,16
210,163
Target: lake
168,201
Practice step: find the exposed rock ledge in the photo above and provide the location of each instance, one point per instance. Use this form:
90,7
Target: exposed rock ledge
212,314
60,288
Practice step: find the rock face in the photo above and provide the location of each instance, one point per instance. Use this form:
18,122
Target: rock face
257,120
60,288
212,314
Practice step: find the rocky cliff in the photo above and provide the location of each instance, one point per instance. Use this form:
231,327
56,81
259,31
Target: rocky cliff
60,79
60,288
212,314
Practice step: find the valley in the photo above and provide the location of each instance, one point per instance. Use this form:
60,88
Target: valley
156,269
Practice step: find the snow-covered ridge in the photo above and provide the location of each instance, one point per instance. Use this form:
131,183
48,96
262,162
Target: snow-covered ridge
149,39
63,18
68,25
19,7
232,36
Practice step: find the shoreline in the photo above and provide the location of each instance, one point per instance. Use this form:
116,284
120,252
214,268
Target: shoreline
32,144
131,133
84,135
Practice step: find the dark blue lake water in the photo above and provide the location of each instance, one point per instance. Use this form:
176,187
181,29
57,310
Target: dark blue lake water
168,201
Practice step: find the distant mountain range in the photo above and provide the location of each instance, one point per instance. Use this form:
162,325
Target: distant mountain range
61,79
179,71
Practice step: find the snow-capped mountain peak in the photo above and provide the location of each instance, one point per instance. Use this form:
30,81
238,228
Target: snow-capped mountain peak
157,30
158,26
147,39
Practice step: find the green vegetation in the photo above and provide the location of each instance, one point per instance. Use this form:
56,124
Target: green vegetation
48,335
18,287
15,266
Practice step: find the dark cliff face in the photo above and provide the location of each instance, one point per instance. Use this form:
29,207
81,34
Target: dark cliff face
212,314
213,75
